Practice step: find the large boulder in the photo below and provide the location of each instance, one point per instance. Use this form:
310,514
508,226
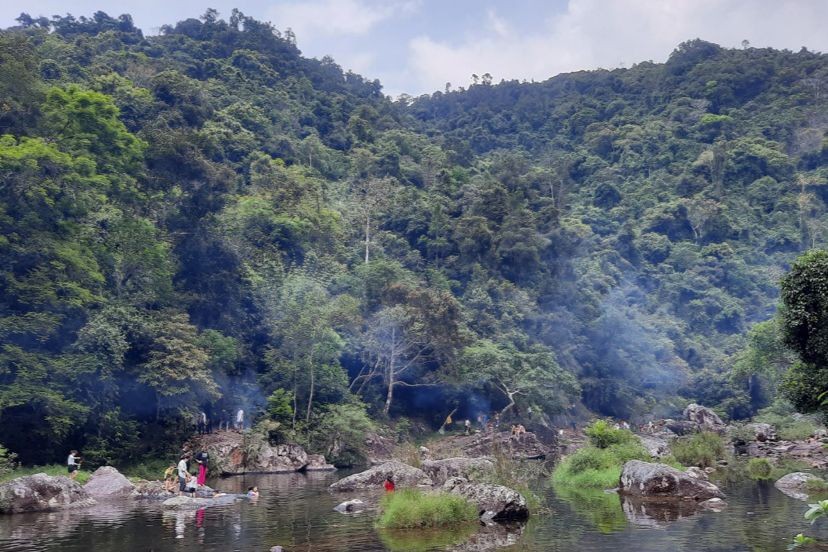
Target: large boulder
763,432
190,503
350,506
42,493
373,478
233,453
107,482
704,418
649,481
277,459
657,446
470,468
523,447
152,490
795,485
317,462
494,502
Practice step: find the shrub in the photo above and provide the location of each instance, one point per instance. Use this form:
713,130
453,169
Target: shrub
593,467
701,449
759,468
7,461
410,509
602,435
816,486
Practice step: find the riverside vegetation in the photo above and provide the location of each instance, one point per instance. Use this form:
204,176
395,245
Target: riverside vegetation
205,218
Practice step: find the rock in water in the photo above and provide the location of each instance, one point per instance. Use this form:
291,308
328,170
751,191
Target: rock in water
704,418
234,453
662,482
470,468
42,493
494,502
190,503
795,485
107,482
317,462
152,490
350,506
373,478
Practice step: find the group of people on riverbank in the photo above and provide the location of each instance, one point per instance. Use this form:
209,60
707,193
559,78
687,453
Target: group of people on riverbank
187,482
203,424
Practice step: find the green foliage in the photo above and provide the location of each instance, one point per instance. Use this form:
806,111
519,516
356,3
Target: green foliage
7,461
54,470
412,509
759,468
816,511
602,434
202,218
597,468
700,449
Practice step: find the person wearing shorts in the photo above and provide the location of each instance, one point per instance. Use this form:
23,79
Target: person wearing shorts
73,464
183,475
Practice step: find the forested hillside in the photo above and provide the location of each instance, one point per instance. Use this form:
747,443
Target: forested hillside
205,219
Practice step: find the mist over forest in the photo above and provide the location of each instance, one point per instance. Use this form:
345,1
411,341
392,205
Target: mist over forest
207,220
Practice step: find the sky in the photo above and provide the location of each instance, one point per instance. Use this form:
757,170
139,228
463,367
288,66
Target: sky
418,46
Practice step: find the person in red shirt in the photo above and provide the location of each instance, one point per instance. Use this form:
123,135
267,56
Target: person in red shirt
389,485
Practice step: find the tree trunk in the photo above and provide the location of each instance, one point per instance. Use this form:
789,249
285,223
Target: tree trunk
310,393
367,236
389,397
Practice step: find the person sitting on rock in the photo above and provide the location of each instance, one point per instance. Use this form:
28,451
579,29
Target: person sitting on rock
389,485
169,478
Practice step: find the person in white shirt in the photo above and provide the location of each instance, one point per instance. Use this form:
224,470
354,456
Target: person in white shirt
73,464
183,474
240,419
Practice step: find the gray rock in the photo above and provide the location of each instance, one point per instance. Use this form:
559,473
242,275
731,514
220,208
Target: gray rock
795,485
494,502
151,490
523,447
42,493
662,482
698,473
350,506
713,504
657,446
190,503
704,418
107,482
763,432
470,468
373,478
233,453
317,462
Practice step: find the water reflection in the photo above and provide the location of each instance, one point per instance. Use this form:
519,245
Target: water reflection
296,512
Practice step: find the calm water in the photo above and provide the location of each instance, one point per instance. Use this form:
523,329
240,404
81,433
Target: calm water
295,511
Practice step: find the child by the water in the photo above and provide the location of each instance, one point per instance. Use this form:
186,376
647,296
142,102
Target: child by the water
389,485
252,492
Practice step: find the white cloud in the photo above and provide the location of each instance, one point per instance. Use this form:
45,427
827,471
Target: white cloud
311,19
597,33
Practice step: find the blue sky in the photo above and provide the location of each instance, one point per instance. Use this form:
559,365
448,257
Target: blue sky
417,46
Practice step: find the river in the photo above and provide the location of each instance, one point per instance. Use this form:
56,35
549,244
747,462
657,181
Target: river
296,512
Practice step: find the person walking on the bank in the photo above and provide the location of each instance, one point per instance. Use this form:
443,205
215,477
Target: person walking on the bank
73,463
183,475
240,420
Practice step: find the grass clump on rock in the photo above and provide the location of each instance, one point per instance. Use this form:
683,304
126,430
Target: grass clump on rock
413,509
599,464
700,449
760,469
53,470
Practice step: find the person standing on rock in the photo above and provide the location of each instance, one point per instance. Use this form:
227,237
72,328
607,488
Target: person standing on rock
202,458
240,420
73,463
183,475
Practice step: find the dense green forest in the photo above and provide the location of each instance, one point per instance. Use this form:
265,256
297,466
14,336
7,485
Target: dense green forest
205,219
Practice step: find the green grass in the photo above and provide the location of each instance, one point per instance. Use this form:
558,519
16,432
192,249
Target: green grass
759,469
597,468
700,449
411,509
603,435
151,470
52,469
816,486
